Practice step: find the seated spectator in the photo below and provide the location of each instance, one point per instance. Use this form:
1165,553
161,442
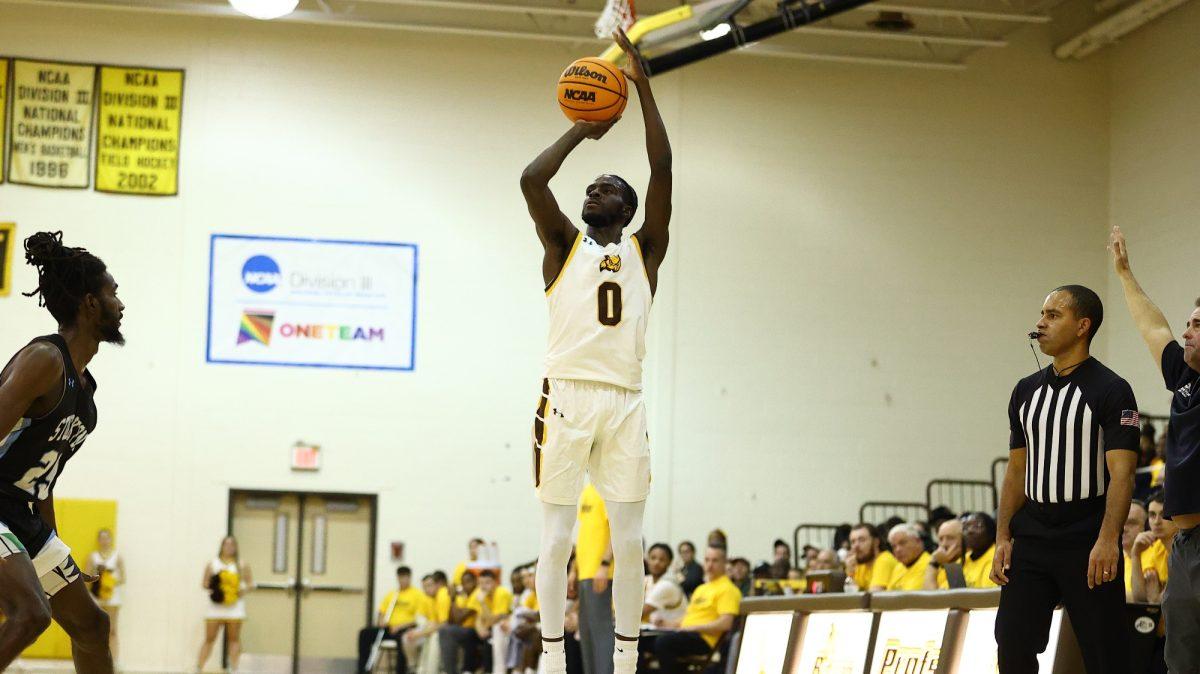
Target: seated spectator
397,615
413,642
979,541
525,642
472,560
949,551
710,615
458,638
867,564
1135,523
808,553
782,560
1150,552
437,614
909,550
690,574
826,560
493,604
739,573
664,598
717,538
841,541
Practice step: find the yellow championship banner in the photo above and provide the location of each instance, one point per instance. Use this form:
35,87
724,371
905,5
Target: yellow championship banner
51,123
3,122
137,142
8,233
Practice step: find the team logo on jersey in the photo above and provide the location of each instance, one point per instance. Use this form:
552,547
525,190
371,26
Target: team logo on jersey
256,327
611,263
261,274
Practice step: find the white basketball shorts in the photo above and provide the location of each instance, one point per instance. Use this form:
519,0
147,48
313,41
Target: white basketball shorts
600,429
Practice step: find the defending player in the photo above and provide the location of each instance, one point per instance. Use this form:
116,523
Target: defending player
46,400
591,417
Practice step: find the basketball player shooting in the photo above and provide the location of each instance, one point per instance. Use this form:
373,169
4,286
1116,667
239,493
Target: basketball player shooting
591,417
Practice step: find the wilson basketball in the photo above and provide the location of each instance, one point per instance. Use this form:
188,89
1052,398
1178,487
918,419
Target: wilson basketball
592,89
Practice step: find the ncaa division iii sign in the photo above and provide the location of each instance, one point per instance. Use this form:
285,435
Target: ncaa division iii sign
312,303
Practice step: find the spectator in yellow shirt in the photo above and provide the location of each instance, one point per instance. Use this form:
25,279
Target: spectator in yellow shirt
397,615
434,614
593,557
979,539
1135,523
949,551
710,614
1150,552
869,567
458,636
909,550
473,547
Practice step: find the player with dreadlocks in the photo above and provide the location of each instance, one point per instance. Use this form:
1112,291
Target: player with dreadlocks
46,400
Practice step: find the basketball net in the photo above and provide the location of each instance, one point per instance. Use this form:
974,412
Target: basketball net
616,14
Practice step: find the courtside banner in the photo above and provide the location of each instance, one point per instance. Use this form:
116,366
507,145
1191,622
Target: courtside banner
137,131
8,233
312,303
51,125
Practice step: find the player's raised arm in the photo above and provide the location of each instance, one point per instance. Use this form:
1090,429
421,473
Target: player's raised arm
1150,321
653,234
554,228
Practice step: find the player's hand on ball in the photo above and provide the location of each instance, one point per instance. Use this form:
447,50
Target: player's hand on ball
1102,563
595,130
634,70
1002,561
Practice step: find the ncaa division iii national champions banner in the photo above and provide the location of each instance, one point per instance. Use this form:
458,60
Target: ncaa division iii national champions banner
312,303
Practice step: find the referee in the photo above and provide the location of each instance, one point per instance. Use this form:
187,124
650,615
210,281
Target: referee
1074,440
1180,366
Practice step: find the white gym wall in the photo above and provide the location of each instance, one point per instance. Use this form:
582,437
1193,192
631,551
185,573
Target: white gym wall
856,254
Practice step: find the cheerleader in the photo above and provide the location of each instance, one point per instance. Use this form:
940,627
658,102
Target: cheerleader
109,569
226,580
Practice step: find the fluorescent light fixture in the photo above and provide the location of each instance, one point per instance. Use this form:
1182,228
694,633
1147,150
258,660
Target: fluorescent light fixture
720,30
265,9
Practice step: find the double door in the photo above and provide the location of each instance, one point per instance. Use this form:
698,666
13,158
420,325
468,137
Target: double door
311,556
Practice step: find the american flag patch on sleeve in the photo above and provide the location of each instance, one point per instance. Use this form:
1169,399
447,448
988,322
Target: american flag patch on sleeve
1129,418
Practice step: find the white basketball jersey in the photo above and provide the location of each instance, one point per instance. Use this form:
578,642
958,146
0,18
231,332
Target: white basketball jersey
599,306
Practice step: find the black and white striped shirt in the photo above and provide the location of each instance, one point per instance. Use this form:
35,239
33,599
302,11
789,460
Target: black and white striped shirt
1066,424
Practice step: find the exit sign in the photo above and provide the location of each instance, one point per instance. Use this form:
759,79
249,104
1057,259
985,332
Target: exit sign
306,457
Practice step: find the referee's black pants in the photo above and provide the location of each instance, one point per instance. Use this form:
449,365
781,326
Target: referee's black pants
1042,575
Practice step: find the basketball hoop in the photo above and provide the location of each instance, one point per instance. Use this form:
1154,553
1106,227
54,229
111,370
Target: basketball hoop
616,14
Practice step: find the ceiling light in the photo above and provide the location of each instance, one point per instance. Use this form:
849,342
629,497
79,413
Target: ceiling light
720,30
264,9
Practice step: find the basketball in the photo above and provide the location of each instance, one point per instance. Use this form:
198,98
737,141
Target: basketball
592,89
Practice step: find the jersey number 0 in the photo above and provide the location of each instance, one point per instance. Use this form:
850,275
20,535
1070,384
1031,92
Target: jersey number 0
608,301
